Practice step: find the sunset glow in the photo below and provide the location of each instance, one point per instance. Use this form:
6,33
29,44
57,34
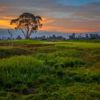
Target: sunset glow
59,16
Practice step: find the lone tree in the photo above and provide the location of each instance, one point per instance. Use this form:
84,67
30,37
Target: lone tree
27,23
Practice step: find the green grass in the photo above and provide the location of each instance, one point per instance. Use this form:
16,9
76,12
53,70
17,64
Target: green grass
50,70
23,41
80,45
8,52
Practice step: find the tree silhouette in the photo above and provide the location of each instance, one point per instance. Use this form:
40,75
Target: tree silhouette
27,23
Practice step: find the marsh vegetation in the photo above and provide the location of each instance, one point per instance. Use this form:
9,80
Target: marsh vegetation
50,70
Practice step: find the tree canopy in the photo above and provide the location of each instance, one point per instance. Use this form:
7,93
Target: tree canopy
28,23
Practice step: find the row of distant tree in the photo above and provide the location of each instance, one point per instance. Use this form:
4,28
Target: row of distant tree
88,36
9,38
54,37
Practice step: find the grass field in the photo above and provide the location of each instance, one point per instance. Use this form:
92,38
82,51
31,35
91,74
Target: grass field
50,70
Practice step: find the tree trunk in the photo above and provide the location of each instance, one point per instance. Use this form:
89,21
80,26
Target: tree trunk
27,37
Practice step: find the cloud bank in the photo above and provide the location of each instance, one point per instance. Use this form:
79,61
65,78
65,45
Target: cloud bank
57,16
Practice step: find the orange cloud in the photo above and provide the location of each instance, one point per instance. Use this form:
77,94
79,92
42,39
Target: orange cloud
6,18
83,31
48,25
61,29
46,21
55,28
5,24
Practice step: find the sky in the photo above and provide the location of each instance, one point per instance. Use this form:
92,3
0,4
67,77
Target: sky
66,16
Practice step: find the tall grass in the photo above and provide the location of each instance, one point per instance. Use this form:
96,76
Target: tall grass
61,70
6,53
18,70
